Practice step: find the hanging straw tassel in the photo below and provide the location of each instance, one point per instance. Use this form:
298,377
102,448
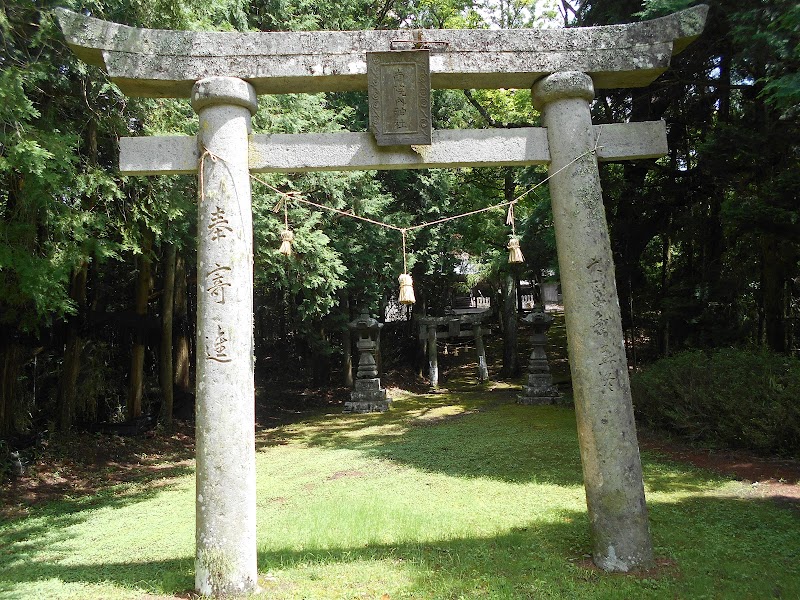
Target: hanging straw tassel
287,237
514,253
406,284
406,289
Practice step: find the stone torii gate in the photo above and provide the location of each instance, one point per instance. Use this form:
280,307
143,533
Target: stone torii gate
223,73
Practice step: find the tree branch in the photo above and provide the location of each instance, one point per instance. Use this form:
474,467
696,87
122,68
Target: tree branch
485,114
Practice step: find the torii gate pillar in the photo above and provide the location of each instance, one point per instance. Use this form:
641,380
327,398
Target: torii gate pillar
226,560
156,63
612,469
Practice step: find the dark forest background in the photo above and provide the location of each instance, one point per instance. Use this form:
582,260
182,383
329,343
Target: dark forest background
97,270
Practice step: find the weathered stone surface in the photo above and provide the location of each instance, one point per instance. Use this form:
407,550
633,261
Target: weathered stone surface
539,388
399,97
433,358
225,562
456,330
158,63
480,352
606,430
367,394
167,63
348,151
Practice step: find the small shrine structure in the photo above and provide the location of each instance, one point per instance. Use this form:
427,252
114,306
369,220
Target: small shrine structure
453,327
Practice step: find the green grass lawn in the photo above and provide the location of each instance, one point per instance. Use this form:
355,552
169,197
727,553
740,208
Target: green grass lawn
454,495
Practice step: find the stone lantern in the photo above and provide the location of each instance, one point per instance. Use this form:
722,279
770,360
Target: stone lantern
367,394
540,388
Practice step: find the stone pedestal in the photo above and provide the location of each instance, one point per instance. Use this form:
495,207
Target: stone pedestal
225,563
612,469
367,395
539,388
433,358
480,352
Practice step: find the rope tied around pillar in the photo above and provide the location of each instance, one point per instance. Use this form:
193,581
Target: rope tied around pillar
201,170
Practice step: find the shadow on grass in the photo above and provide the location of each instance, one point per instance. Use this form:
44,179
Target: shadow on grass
457,435
477,434
663,475
78,466
706,537
172,576
504,560
24,538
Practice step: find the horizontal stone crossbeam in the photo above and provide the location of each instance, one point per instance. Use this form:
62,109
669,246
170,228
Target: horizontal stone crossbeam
348,151
160,63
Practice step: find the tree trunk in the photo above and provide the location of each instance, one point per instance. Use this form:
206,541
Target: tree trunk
167,303
67,393
319,358
180,342
666,266
347,358
67,389
510,359
347,343
10,367
774,285
379,354
134,404
421,345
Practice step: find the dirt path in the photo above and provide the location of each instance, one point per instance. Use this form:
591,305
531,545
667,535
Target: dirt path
769,477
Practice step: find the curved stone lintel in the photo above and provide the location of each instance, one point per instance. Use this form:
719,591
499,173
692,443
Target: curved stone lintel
162,63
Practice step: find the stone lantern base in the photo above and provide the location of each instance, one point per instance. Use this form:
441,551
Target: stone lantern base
368,396
539,390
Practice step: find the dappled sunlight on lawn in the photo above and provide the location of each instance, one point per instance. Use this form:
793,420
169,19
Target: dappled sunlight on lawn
447,495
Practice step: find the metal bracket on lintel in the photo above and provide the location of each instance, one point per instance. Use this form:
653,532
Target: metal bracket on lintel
418,45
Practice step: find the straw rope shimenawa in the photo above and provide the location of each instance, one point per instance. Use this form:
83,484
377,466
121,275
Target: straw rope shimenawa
406,284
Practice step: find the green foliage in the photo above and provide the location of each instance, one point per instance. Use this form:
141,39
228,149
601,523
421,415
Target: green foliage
728,397
47,192
659,8
705,240
772,57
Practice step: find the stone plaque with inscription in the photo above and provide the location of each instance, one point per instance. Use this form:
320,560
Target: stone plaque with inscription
399,85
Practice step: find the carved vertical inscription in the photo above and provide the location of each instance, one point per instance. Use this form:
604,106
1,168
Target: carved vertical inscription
399,85
219,224
217,349
218,278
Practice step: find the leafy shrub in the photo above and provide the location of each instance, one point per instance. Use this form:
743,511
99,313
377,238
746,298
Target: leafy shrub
728,397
